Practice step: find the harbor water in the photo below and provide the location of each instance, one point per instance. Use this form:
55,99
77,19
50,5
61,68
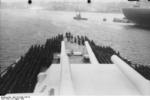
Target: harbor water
21,28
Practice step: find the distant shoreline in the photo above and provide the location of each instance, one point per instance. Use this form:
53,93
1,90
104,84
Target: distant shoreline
64,10
110,7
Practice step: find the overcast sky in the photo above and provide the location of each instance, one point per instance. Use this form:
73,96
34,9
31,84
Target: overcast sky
63,0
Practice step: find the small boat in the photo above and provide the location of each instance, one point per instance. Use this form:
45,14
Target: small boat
79,17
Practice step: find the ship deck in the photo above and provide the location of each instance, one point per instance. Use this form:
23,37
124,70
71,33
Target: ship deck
104,79
92,79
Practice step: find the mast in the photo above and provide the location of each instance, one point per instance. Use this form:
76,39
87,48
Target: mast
78,8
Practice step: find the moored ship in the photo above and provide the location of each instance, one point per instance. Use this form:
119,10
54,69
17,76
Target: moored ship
140,13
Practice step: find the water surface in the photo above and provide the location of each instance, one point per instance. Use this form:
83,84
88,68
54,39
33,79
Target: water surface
20,28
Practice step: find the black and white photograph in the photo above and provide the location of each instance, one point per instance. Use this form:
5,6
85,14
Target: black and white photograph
74,48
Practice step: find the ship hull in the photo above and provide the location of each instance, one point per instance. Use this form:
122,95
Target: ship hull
76,18
140,16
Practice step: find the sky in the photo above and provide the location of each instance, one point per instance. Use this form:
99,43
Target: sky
63,0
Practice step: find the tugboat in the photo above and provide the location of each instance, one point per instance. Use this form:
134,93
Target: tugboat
79,17
140,13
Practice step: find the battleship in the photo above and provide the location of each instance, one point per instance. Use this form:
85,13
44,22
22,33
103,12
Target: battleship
68,64
74,65
139,13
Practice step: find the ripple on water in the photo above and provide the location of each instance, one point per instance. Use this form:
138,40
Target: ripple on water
19,29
